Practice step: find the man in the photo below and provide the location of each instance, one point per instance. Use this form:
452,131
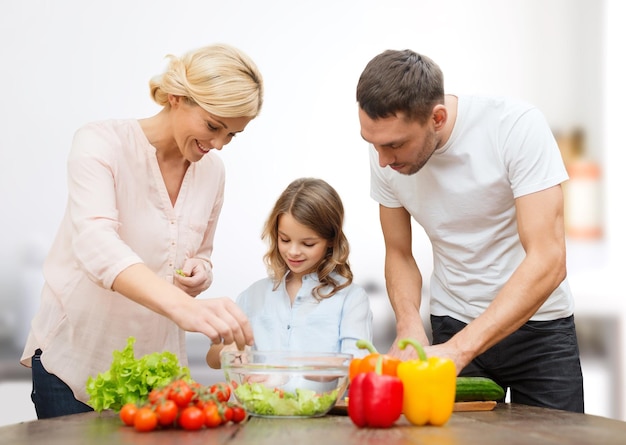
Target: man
482,177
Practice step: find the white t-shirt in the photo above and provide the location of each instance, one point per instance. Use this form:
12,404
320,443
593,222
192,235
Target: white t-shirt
464,198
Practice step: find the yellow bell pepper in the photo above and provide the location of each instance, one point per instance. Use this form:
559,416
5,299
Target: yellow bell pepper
429,387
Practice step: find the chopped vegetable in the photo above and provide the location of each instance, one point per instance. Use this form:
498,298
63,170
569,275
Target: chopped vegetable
130,380
259,399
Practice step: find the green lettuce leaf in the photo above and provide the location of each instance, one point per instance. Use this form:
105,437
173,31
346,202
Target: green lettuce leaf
130,380
259,399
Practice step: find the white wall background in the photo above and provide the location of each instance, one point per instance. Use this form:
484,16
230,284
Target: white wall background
67,62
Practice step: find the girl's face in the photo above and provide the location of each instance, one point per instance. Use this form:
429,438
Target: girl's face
300,247
196,131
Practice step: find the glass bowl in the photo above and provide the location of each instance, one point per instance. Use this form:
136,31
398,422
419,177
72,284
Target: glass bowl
286,384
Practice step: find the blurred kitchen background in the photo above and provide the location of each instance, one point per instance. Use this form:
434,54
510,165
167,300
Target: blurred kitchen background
67,62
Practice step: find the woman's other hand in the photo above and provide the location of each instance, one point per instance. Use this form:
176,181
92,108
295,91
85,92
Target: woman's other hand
195,276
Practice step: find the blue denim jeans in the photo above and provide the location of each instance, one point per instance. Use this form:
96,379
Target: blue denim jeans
51,396
539,363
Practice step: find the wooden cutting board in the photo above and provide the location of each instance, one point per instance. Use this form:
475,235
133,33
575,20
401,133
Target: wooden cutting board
341,408
487,405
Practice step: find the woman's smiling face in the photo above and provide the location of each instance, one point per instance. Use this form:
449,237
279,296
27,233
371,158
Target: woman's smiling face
196,131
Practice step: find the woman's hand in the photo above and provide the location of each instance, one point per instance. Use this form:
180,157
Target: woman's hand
197,277
220,319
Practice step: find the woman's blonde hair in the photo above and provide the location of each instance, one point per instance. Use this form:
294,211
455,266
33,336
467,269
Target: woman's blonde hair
315,204
220,78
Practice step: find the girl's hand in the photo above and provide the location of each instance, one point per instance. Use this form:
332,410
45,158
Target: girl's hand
194,277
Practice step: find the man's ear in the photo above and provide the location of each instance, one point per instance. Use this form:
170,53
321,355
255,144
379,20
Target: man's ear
440,116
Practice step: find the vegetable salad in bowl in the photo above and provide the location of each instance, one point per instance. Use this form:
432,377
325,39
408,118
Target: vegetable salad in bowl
286,384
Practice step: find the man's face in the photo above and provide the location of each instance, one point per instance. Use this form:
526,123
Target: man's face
402,144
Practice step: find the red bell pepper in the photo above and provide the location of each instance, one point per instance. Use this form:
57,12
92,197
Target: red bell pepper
375,399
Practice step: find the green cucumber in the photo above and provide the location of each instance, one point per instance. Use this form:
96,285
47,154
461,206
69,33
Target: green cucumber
470,389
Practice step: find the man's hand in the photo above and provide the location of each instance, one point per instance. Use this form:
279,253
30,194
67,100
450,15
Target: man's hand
445,350
416,332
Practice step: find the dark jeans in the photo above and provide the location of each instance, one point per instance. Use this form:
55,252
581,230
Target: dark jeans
51,396
539,363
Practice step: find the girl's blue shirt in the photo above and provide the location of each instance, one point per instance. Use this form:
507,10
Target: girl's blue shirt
309,325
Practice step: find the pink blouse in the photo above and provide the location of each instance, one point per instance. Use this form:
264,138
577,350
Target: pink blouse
118,214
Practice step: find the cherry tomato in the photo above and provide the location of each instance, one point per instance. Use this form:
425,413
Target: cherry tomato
202,402
191,418
227,413
157,395
221,391
166,412
181,393
280,392
239,414
127,413
145,419
212,417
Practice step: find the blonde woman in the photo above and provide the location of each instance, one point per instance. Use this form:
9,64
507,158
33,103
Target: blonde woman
144,200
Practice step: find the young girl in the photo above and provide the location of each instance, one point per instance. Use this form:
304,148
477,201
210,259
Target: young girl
308,302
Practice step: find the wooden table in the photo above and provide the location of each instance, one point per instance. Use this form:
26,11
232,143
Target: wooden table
506,424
